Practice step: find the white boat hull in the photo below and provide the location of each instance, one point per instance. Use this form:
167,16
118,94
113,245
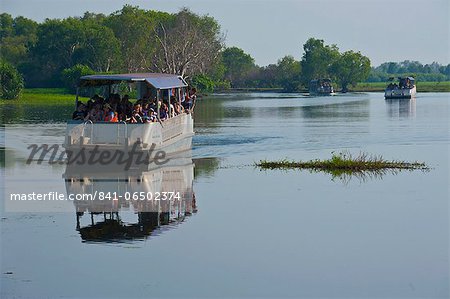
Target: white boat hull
400,93
172,136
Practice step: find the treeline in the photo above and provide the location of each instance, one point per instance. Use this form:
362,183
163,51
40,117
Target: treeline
429,72
318,61
56,52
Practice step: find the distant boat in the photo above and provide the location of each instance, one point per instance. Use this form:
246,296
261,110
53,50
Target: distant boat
402,88
321,87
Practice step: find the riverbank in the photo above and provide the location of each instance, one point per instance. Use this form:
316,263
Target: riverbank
47,96
63,96
360,87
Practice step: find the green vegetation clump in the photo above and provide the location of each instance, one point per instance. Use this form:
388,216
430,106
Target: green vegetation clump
345,164
44,96
70,76
11,82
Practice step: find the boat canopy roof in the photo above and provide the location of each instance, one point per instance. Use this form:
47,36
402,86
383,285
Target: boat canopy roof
321,80
157,80
400,78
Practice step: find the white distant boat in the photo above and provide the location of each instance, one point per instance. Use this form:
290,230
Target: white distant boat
171,135
321,87
402,88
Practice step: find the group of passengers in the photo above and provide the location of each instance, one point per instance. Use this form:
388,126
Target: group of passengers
403,83
117,109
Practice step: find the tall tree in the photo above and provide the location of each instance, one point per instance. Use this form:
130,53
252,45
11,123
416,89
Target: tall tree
11,82
17,36
238,65
288,73
134,28
350,68
100,48
188,44
317,59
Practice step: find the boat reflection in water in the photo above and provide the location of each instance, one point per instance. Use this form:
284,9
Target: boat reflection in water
131,205
401,107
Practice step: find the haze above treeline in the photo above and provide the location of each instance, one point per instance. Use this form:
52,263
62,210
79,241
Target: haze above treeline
56,52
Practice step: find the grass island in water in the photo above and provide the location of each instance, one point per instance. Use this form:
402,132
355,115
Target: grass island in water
345,164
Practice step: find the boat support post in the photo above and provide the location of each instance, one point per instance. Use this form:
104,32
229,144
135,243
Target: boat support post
157,106
76,98
169,94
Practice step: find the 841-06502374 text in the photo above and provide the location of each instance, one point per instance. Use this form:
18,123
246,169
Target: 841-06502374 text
129,196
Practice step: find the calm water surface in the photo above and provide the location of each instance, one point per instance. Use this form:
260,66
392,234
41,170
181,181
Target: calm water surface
252,233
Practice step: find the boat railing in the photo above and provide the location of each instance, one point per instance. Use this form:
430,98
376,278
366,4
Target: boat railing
125,134
85,124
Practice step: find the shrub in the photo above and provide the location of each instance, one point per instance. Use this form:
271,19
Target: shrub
203,83
71,75
11,81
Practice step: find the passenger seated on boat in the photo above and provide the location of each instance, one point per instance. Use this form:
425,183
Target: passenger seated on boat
190,98
80,113
153,116
125,101
92,101
164,112
108,114
172,108
178,108
148,113
150,116
137,114
95,114
145,108
152,104
121,117
114,100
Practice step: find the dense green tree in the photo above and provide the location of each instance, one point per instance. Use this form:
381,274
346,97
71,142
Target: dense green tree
65,43
100,49
427,72
288,73
268,76
445,70
11,82
203,82
17,36
135,30
350,68
238,65
59,44
71,75
6,25
317,59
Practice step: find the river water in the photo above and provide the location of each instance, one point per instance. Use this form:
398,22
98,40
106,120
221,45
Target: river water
243,232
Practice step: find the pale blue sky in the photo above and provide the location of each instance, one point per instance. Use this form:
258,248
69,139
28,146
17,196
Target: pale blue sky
269,29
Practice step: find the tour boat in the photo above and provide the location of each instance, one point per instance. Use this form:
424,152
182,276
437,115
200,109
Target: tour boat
171,135
321,87
404,88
